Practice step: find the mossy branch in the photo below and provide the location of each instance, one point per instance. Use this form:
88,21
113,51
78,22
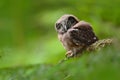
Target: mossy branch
95,46
99,44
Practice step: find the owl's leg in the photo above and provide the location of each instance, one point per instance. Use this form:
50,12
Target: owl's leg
77,52
74,52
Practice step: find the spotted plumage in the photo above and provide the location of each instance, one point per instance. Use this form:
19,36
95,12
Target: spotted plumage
75,35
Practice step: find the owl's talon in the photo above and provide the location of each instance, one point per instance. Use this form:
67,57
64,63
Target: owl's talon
69,54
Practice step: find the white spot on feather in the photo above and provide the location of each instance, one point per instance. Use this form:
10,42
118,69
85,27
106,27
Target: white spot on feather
89,40
94,38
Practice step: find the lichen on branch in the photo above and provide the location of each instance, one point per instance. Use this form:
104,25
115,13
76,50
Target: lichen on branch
99,44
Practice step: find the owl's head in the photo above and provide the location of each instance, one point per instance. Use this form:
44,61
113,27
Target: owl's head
65,22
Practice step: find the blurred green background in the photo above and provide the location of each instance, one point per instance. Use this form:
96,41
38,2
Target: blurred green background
30,50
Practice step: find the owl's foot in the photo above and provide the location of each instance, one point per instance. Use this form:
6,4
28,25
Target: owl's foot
69,54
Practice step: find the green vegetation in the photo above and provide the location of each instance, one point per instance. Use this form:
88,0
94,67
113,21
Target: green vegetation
30,50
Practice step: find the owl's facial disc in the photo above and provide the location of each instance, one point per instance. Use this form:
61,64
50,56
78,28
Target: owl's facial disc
61,27
65,23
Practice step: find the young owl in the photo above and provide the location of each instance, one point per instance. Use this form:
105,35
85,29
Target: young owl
75,35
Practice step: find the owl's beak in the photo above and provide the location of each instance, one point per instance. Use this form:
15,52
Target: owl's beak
65,28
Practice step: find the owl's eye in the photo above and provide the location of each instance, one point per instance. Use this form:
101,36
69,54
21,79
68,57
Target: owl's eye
58,25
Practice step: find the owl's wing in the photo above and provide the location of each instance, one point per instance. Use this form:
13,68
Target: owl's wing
82,34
